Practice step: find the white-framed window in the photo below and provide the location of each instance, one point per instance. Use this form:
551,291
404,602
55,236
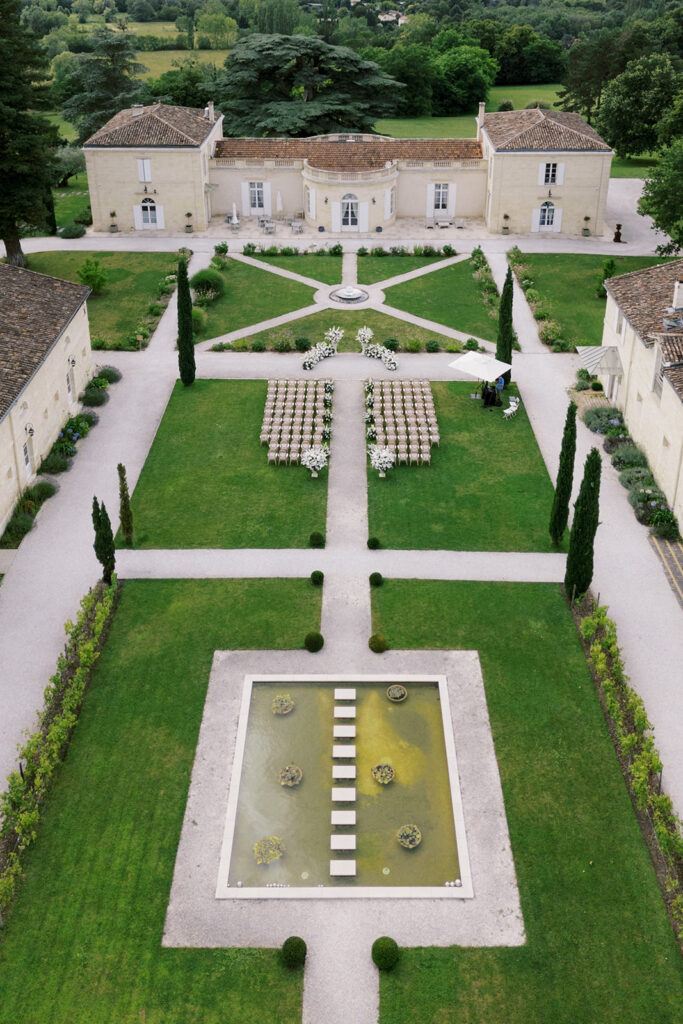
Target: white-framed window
392,202
547,215
349,211
144,170
550,174
27,458
441,197
69,388
149,212
256,195
658,380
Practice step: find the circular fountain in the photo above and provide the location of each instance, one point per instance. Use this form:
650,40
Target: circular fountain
349,294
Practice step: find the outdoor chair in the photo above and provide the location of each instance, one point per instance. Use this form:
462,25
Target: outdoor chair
512,409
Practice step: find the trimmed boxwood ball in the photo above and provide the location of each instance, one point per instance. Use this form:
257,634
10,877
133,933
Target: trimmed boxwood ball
317,578
313,642
385,953
377,643
208,281
109,373
294,951
373,543
376,579
316,540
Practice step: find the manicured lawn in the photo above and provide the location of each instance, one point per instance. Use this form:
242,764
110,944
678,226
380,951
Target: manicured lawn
82,944
372,269
133,284
207,483
71,199
633,167
487,488
313,327
599,945
252,295
327,269
450,296
567,285
65,128
157,62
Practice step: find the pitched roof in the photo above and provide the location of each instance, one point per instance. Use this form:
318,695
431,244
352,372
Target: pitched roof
336,154
34,310
542,130
158,125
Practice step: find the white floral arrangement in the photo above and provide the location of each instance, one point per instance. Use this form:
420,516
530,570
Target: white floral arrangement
381,457
369,416
315,458
316,354
369,400
370,432
380,352
333,336
370,388
364,337
328,386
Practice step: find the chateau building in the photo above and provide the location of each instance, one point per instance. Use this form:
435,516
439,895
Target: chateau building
162,167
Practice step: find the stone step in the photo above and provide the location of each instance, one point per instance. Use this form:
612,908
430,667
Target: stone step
345,712
343,818
342,693
344,750
342,842
344,732
343,867
343,771
343,794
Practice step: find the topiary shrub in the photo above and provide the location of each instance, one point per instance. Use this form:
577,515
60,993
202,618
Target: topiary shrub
376,579
391,344
72,230
208,282
316,540
313,642
377,643
471,345
302,344
293,951
54,463
94,396
385,953
258,346
432,345
373,543
109,373
596,385
317,578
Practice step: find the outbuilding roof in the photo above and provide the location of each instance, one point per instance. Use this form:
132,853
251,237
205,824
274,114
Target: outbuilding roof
541,130
159,125
348,153
34,310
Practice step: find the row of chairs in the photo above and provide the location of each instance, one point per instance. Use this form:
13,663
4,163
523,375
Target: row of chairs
296,416
405,418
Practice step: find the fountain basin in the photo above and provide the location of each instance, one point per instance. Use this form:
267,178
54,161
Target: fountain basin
349,295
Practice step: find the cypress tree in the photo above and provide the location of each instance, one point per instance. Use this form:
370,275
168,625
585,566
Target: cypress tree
125,511
505,328
104,540
579,570
559,515
186,364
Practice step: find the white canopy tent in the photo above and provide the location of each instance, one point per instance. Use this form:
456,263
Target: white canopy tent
601,359
480,365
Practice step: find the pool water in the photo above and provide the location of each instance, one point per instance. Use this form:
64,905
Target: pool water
409,736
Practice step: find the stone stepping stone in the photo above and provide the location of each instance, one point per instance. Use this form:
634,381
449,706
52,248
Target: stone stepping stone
344,732
343,867
344,750
343,818
344,694
342,842
345,712
343,794
343,771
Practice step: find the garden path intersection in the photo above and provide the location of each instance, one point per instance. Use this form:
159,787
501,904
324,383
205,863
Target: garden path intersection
55,565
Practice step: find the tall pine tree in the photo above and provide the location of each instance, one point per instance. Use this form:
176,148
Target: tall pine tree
25,137
505,329
186,364
103,82
579,570
559,515
125,511
104,540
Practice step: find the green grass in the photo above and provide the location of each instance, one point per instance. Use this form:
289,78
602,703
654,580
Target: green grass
372,269
71,199
132,285
567,286
634,167
487,488
450,296
153,28
157,62
599,945
313,327
65,128
464,127
207,483
83,942
252,295
327,269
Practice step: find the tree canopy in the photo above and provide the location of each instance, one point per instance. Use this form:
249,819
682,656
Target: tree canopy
634,102
662,198
300,85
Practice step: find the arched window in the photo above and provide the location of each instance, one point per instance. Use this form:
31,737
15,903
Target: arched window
349,211
149,212
547,215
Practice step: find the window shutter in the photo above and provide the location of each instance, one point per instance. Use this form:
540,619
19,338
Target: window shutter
246,205
430,200
560,174
557,221
363,217
141,170
311,204
267,201
336,217
541,173
161,223
451,199
387,203
535,220
137,217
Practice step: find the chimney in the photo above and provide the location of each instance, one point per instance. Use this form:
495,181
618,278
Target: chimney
137,109
480,119
209,112
678,293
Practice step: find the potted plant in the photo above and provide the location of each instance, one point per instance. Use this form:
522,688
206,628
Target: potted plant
315,458
586,230
506,226
113,227
188,226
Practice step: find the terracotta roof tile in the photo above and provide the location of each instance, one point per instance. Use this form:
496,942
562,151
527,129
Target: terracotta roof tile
674,374
645,295
328,153
541,130
156,126
34,310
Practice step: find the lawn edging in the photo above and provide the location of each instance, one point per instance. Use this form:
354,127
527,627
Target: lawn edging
46,747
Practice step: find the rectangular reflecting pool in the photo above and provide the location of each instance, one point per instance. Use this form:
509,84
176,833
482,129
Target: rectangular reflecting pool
327,773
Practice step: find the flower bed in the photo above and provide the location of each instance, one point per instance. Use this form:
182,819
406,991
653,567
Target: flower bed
397,693
268,850
383,773
409,836
291,775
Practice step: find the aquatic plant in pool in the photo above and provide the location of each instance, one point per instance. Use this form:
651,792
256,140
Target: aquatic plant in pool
383,773
409,836
282,704
291,775
269,849
397,693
